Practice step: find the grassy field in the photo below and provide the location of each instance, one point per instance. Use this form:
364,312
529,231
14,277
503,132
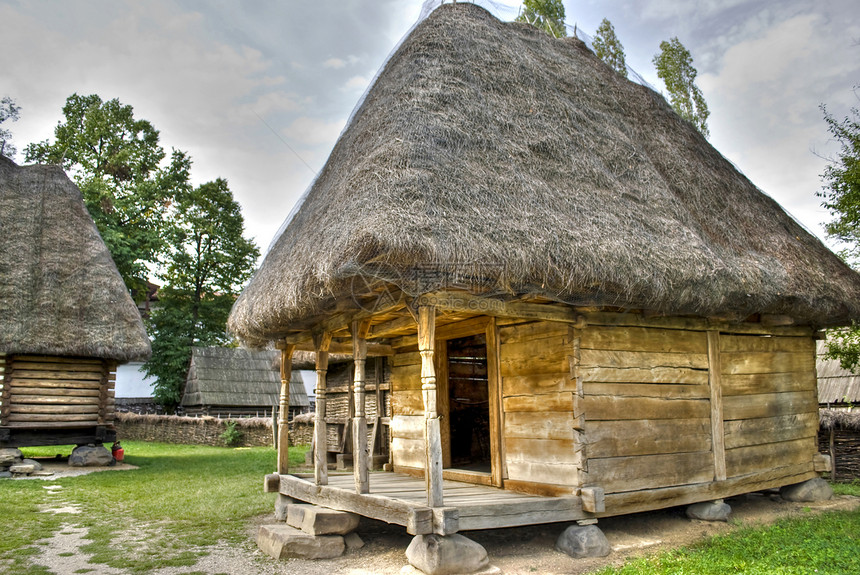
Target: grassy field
823,544
182,497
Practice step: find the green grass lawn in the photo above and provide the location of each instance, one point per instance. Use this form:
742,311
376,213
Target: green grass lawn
826,544
182,497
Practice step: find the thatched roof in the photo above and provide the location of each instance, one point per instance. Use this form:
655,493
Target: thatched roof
835,384
60,292
839,419
493,144
222,376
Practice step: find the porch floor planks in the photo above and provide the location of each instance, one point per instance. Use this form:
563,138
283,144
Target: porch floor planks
479,506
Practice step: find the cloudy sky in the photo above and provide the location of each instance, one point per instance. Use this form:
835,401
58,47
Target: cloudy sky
258,91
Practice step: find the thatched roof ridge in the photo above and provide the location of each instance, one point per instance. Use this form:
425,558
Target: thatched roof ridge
492,143
60,291
839,419
224,376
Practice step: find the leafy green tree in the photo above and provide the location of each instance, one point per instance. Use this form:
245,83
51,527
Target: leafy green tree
675,67
118,163
548,15
841,196
208,262
8,111
608,47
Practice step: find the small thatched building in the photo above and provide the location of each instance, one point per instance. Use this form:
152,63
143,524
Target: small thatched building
66,318
586,310
225,381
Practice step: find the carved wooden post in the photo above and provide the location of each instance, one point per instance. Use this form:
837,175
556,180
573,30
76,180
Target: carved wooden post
321,344
284,410
359,422
432,430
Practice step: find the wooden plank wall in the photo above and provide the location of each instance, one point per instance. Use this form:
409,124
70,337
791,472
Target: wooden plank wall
58,392
647,407
407,409
541,442
770,404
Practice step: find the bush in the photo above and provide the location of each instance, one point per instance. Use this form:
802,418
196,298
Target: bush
231,435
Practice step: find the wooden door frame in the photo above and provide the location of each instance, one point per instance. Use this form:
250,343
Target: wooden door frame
469,327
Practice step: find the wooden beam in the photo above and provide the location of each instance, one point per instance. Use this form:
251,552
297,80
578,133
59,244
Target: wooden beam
373,349
358,330
718,436
494,384
432,430
284,409
633,319
389,327
417,519
321,344
468,303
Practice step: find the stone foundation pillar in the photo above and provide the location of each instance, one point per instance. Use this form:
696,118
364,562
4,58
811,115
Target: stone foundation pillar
446,555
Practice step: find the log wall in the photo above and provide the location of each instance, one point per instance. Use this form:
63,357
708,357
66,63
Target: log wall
653,412
42,392
647,407
770,403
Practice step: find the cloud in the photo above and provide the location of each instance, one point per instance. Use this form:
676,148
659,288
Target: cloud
766,94
314,131
335,63
358,83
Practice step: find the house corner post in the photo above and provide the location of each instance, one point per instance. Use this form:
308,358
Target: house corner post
432,428
359,331
284,410
321,345
716,397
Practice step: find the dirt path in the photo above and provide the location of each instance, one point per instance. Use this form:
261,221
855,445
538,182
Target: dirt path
524,550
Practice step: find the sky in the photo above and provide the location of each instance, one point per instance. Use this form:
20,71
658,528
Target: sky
257,92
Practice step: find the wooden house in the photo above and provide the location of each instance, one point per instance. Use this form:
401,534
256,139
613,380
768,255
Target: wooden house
225,381
66,318
585,309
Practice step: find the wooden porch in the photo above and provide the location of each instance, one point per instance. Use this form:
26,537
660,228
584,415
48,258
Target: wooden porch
402,499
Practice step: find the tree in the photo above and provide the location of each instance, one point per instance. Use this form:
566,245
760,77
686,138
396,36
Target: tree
117,162
547,15
208,262
675,67
8,111
608,48
841,196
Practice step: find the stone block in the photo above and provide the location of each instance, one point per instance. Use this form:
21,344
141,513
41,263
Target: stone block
282,505
10,456
812,490
446,555
315,520
353,541
282,542
24,468
90,456
580,541
709,511
5,474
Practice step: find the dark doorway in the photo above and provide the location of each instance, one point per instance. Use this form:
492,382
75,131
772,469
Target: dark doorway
469,403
